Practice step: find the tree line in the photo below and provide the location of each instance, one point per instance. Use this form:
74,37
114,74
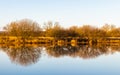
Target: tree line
29,28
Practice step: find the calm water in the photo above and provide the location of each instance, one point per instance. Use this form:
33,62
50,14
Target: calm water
60,60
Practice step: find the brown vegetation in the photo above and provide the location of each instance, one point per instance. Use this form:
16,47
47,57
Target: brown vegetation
28,28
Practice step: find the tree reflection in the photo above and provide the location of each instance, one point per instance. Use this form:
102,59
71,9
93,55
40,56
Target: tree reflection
83,51
58,51
92,51
24,55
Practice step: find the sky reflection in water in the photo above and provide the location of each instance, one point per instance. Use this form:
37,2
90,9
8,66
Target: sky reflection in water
60,60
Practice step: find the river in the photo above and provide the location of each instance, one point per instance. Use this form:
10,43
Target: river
99,59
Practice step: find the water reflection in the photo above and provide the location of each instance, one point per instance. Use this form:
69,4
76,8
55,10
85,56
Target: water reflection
92,51
82,51
28,55
23,55
58,51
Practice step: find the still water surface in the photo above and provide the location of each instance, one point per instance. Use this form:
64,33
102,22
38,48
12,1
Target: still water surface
60,60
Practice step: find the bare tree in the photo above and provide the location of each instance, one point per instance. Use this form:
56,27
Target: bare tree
23,28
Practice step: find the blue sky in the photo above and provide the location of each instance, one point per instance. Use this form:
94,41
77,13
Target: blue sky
67,12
